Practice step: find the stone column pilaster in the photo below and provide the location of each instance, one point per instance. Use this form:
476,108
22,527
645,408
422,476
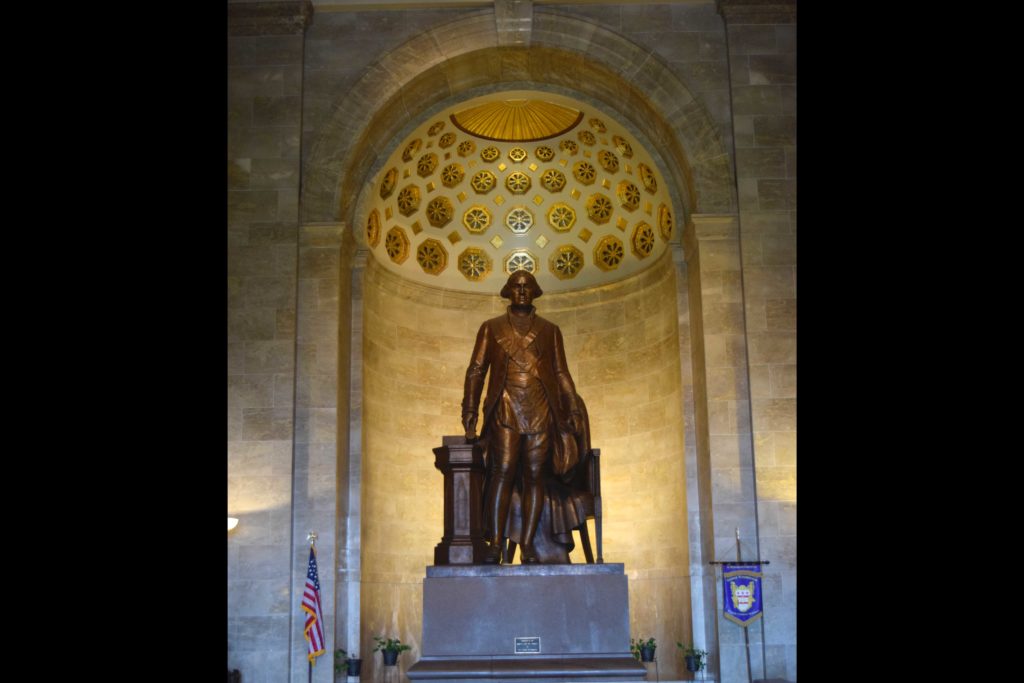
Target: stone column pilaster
350,476
320,423
722,406
699,517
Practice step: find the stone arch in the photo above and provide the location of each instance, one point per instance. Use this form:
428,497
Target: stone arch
454,59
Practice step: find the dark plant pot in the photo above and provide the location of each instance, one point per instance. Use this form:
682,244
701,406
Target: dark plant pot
390,657
354,665
647,654
691,664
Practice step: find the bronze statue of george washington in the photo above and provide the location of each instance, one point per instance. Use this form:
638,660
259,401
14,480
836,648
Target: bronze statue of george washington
532,418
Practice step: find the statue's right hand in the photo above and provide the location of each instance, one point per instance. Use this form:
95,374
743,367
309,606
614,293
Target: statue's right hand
469,422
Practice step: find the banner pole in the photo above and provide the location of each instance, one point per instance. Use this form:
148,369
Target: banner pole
311,537
746,633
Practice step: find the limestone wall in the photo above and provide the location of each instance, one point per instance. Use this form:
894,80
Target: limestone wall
762,53
264,63
288,300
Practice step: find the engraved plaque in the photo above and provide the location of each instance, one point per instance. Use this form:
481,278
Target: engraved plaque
527,645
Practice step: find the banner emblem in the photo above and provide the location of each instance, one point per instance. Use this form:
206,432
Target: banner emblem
741,588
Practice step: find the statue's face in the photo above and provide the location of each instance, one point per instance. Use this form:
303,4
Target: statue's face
521,293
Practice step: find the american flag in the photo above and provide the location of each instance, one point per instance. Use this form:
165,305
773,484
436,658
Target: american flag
311,605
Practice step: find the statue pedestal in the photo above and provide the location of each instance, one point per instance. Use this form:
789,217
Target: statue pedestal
462,465
570,622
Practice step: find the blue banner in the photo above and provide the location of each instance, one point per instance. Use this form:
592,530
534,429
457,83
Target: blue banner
741,589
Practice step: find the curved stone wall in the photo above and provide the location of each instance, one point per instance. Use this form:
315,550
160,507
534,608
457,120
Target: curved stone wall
622,347
416,343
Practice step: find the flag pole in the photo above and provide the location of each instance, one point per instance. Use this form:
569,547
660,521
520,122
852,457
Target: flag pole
311,537
746,633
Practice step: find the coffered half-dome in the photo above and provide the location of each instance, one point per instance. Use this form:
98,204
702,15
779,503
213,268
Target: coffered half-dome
518,180
517,120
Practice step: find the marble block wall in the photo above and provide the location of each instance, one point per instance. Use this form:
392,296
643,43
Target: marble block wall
734,301
762,57
342,46
264,61
688,36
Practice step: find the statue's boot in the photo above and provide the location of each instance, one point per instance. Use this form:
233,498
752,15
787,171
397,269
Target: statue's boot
528,555
493,553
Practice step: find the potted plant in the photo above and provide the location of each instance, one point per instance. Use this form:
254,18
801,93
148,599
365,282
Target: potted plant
342,660
643,650
696,659
390,649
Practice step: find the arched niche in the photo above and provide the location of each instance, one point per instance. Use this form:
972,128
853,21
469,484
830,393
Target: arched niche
456,61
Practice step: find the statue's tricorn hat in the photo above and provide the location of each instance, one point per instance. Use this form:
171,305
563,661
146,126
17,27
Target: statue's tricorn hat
506,292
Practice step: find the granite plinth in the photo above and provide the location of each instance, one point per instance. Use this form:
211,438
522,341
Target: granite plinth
482,570
472,616
547,668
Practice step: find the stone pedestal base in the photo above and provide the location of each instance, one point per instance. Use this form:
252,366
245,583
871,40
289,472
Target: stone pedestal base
462,465
574,619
